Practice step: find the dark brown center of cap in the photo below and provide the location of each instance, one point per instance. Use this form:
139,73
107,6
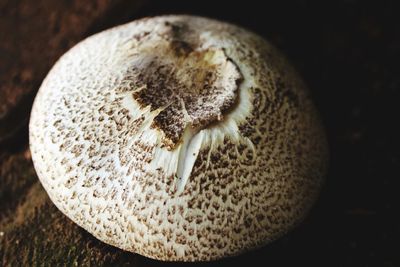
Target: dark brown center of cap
191,87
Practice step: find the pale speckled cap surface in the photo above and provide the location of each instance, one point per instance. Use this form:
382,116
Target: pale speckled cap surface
179,138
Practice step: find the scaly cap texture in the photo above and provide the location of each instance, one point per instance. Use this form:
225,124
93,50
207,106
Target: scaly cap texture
179,138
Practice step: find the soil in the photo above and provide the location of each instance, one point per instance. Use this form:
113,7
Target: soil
346,51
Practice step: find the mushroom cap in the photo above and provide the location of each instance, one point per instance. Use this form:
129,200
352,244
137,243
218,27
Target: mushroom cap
179,138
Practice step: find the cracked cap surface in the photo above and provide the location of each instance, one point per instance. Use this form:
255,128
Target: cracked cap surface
179,138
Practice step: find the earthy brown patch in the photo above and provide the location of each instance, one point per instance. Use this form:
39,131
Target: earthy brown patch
192,87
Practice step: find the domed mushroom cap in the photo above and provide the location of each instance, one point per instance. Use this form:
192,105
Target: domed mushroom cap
178,138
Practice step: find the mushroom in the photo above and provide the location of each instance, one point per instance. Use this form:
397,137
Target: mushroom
179,138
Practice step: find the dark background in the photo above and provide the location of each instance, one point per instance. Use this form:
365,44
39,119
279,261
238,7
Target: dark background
347,52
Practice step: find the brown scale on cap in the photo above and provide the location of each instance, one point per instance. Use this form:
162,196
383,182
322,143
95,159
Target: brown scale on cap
179,138
194,87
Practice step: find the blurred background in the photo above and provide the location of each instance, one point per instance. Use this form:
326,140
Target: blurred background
348,52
